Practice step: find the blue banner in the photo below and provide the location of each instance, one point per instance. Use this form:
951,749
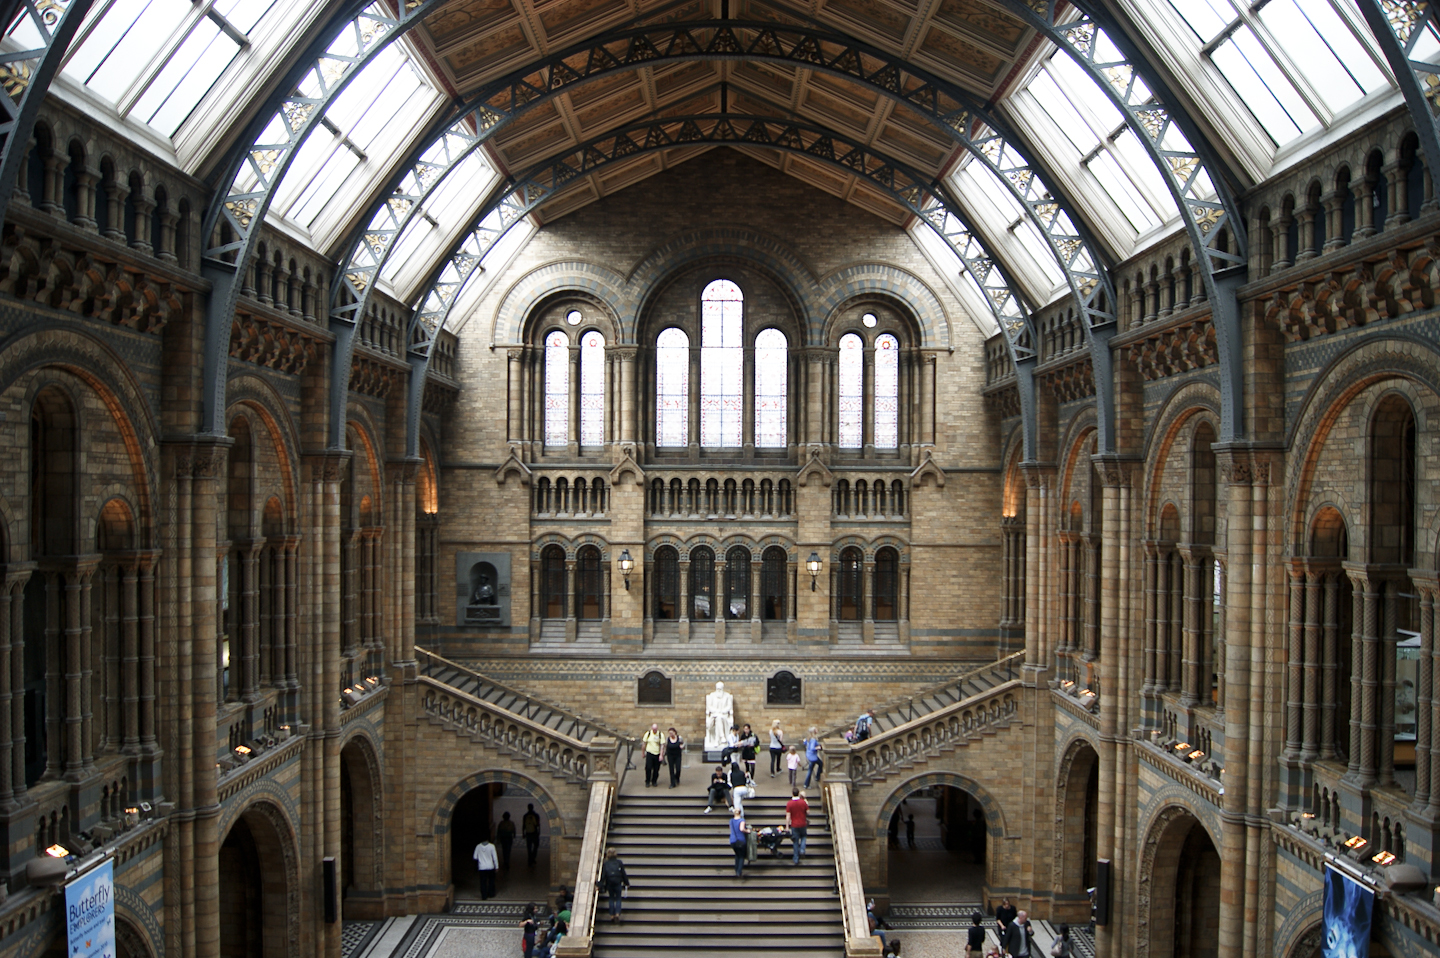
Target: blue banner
90,913
1348,908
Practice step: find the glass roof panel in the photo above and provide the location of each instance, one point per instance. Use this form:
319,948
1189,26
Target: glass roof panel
1324,49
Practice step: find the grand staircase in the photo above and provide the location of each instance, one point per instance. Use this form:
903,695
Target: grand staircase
684,898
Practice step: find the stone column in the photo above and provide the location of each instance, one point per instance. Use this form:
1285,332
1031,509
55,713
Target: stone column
1039,561
1333,204
867,392
1425,694
867,600
571,601
9,638
514,394
927,399
683,612
1149,689
1196,606
628,398
573,419
1330,731
1430,665
1310,686
747,400
693,399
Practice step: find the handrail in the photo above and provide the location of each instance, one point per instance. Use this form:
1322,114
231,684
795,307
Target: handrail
1009,662
948,727
579,942
532,706
859,943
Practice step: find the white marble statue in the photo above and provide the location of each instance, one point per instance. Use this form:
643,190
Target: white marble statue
719,716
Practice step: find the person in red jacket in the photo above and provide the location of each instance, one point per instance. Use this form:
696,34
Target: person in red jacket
797,816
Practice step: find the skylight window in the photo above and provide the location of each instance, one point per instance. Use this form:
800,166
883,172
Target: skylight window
155,60
450,208
1296,64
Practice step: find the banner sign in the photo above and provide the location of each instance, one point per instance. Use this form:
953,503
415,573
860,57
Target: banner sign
1348,908
90,913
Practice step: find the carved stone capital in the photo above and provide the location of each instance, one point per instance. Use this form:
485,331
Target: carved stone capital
1116,471
200,457
327,466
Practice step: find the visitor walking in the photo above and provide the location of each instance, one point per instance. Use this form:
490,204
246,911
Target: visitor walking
863,725
654,742
738,831
1005,914
792,762
1061,947
749,742
486,861
910,831
742,786
530,828
674,751
719,791
797,817
814,756
613,877
505,837
1017,941
975,942
777,748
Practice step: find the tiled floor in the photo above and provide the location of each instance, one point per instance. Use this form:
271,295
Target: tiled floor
926,875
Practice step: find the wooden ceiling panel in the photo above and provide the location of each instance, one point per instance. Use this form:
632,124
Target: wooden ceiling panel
844,90
491,53
618,177
771,79
459,22
561,18
984,22
961,56
921,153
535,145
677,79
882,18
605,114
830,110
826,178
586,94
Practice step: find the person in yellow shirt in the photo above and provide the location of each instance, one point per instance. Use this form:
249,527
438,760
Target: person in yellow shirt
654,743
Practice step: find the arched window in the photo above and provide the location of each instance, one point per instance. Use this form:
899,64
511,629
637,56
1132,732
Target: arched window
772,583
737,583
771,385
702,584
722,364
852,391
589,585
552,582
887,581
850,594
672,388
667,583
592,389
557,389
887,392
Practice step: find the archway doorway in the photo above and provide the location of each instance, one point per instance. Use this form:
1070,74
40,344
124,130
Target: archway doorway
477,816
359,833
937,845
1077,830
1184,878
254,890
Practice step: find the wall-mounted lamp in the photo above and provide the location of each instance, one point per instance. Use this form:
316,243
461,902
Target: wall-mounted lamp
627,566
812,565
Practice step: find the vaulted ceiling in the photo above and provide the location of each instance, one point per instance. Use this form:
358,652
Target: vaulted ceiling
970,43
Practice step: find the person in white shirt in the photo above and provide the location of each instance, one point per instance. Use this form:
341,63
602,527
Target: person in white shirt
487,861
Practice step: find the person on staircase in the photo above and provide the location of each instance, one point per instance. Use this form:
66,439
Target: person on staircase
742,786
674,752
749,742
654,744
719,792
797,812
864,725
738,831
615,881
777,748
814,757
792,762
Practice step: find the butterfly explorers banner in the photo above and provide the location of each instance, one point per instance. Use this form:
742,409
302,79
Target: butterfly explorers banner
90,913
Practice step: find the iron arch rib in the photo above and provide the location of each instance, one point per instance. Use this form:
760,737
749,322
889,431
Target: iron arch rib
254,169
1399,25
1104,51
924,198
27,75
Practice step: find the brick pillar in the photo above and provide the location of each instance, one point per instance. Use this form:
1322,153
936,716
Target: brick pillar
1039,561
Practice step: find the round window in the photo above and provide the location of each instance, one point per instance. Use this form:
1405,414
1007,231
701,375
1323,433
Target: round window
869,320
573,317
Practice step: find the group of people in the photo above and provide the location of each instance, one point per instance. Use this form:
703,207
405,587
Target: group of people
670,746
493,857
1017,937
744,839
540,935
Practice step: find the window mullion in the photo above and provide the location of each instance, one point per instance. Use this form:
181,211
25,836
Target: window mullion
1161,204
97,13
126,102
1351,17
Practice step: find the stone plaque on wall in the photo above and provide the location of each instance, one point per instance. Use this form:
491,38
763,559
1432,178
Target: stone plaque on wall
784,688
653,688
482,588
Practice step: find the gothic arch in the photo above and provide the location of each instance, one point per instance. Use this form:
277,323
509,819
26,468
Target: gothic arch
994,815
1071,795
440,816
1165,834
360,758
274,835
598,284
1300,933
897,288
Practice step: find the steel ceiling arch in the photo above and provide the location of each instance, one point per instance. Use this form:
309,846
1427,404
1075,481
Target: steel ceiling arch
1398,26
28,75
232,221
1151,120
926,199
978,128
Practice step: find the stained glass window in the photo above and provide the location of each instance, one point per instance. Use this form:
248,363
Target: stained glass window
592,389
702,584
771,383
557,389
852,392
737,583
722,364
887,392
672,382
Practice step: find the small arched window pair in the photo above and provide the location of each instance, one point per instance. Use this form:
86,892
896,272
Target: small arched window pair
559,417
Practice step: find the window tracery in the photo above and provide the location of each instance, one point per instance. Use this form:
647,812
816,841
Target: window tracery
722,360
771,389
672,388
557,389
852,392
592,389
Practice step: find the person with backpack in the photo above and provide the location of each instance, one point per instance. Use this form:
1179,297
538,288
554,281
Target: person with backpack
863,725
614,880
654,744
530,826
